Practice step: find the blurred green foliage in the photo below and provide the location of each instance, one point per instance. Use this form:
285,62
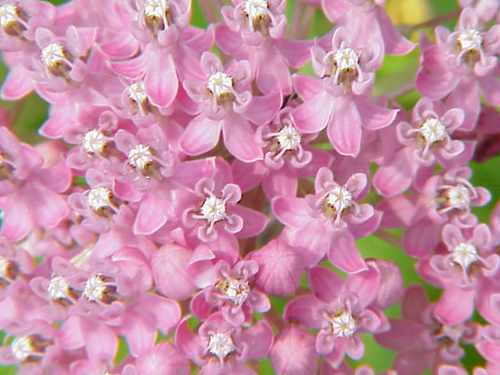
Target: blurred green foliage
396,72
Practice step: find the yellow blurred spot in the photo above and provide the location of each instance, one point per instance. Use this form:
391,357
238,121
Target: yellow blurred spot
408,12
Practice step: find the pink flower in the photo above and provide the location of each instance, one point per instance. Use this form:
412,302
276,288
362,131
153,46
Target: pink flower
340,311
424,142
326,222
231,292
219,348
449,72
339,102
368,19
227,105
293,352
29,191
255,32
287,158
466,273
420,340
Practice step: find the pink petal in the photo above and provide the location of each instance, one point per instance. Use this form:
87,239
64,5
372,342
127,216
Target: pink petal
345,131
344,253
314,114
163,359
201,135
263,109
325,283
254,222
306,86
240,139
373,116
17,221
153,212
17,85
296,52
279,268
306,310
140,335
161,80
169,266
119,45
189,343
293,212
259,339
455,306
293,352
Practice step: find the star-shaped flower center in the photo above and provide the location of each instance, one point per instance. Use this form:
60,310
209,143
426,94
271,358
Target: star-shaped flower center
221,345
58,288
213,209
8,15
458,197
339,198
94,142
433,130
256,8
95,288
464,254
137,92
22,347
99,198
220,84
140,157
53,55
235,290
346,59
288,138
470,40
342,324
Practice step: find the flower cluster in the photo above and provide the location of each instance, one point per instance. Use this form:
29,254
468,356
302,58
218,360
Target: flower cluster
182,193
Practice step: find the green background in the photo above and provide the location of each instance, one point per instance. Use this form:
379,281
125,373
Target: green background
29,113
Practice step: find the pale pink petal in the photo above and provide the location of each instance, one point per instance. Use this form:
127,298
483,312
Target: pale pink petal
17,85
293,212
455,306
240,139
325,283
344,132
344,253
305,310
161,80
169,266
293,352
254,222
315,114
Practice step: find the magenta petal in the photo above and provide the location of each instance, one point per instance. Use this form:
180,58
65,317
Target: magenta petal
189,343
455,306
120,45
201,135
254,222
263,109
396,176
17,84
17,221
153,212
345,131
325,283
140,335
305,310
240,139
373,116
161,80
293,212
279,268
344,253
293,352
169,266
314,114
163,359
259,339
